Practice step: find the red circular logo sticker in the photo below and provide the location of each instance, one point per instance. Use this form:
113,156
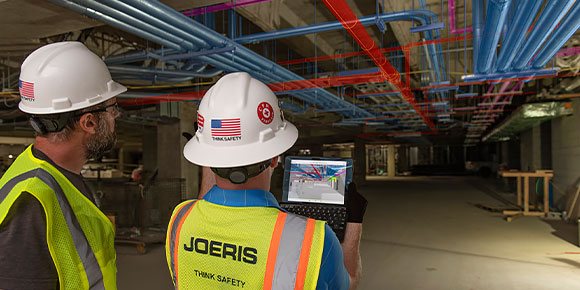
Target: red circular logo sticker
265,113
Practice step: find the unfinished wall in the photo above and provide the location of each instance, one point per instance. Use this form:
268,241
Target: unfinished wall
566,150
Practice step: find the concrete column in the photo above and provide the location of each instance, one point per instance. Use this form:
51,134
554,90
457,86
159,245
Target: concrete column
403,162
189,171
169,151
149,149
359,161
391,160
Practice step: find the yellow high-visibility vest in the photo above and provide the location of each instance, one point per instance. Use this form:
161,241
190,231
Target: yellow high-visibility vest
80,237
211,246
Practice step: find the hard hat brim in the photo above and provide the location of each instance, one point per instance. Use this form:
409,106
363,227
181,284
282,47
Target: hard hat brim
117,89
202,154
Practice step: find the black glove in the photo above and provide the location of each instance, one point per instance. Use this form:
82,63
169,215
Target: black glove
356,205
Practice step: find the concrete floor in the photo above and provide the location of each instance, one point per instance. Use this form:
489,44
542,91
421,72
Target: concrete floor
426,233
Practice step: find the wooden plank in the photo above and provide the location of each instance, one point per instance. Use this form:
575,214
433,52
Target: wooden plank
519,191
534,213
519,212
512,212
526,194
524,174
573,202
546,195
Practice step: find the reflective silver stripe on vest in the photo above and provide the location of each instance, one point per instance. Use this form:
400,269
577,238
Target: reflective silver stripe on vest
289,252
172,241
94,274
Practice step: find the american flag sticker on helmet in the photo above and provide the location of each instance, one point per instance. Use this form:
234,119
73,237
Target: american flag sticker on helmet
226,129
26,90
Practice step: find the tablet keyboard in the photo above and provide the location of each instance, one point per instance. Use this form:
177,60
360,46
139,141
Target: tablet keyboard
335,216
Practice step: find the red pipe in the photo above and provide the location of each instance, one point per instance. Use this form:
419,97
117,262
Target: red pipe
344,14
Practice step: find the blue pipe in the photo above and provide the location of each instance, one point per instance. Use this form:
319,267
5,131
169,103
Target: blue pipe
166,73
154,21
525,14
116,14
551,16
107,19
421,15
567,28
268,68
477,24
496,14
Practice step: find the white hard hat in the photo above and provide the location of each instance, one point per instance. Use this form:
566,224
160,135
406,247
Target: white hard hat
239,123
64,77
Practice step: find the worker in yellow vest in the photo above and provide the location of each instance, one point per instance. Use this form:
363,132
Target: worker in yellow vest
237,236
52,236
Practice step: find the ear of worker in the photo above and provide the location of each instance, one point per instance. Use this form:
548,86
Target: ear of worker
356,205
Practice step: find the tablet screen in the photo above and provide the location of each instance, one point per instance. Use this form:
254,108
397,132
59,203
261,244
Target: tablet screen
316,180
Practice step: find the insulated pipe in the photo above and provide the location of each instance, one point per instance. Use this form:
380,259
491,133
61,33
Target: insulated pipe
477,23
551,16
166,13
496,15
198,42
567,28
116,14
525,14
107,19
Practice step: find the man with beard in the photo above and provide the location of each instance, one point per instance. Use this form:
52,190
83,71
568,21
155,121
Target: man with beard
52,236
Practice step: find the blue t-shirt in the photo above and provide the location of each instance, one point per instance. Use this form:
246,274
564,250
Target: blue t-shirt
333,274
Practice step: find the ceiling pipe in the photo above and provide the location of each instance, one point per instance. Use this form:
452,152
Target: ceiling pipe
549,19
565,31
242,54
115,22
496,15
214,39
525,14
342,11
477,19
164,26
161,72
423,16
